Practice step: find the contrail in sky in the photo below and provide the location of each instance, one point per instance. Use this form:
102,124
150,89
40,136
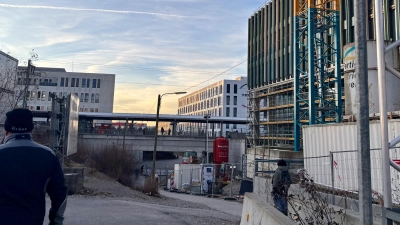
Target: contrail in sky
94,10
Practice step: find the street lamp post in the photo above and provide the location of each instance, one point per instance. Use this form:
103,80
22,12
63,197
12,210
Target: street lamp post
207,116
155,136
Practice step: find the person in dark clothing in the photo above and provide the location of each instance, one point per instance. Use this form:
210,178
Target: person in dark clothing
169,131
27,172
280,186
162,131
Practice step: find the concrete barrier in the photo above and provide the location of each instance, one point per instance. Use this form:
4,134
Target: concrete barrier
257,211
71,179
80,171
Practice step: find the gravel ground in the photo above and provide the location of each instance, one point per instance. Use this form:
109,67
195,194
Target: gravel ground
99,186
106,187
235,188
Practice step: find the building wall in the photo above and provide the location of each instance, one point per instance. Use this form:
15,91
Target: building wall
270,64
223,98
95,96
8,72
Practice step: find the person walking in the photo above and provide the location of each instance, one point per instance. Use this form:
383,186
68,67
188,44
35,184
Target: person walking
27,172
169,131
280,186
162,130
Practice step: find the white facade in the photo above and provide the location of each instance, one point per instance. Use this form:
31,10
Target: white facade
224,98
95,90
8,73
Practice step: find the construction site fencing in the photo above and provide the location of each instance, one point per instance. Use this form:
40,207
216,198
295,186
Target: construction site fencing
188,177
333,176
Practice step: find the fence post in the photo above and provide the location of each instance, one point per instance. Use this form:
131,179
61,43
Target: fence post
332,177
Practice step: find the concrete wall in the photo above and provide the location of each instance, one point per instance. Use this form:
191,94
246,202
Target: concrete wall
257,211
142,143
264,153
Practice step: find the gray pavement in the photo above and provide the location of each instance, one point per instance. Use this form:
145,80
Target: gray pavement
233,208
109,211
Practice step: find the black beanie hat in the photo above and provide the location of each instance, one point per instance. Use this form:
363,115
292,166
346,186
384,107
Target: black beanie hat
282,163
19,121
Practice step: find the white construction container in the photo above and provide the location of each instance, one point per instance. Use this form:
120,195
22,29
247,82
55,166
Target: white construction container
341,139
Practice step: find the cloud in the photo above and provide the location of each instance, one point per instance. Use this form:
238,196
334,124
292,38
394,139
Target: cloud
97,10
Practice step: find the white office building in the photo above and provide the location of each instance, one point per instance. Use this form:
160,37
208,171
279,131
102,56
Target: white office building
95,90
8,74
227,98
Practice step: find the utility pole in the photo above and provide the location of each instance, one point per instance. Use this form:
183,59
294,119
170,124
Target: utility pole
363,146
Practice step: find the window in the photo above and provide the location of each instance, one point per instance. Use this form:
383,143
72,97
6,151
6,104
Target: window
227,126
77,82
234,126
96,110
43,96
48,108
98,83
86,98
234,112
65,94
32,108
66,82
80,109
92,99
86,109
220,89
219,111
227,111
60,94
235,100
62,82
97,98
82,97
228,88
228,100
88,83
94,83
91,109
49,97
235,88
38,108
83,82
72,82
38,95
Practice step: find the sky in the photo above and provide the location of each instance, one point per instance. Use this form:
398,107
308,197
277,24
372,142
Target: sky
153,46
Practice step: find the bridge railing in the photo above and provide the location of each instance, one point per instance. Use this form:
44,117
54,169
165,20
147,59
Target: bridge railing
151,132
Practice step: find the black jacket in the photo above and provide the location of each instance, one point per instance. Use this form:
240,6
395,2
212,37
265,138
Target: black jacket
27,171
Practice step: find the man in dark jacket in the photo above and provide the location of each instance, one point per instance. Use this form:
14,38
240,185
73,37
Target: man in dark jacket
280,186
27,172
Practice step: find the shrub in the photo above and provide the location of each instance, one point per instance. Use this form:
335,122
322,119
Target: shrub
151,187
119,164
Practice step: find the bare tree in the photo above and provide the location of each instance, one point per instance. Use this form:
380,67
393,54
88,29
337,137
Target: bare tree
8,84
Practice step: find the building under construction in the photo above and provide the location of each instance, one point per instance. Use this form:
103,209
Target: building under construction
292,44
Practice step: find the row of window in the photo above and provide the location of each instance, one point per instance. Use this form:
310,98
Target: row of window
207,104
41,96
48,108
214,112
75,82
207,94
39,82
94,98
